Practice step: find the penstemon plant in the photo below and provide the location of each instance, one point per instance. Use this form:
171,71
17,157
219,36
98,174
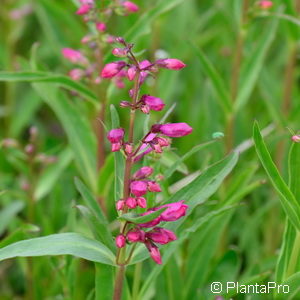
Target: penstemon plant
137,185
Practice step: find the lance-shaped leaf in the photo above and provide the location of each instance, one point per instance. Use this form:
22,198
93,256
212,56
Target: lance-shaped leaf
60,244
138,219
288,200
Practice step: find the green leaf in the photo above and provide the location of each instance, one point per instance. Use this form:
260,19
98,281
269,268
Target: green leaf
52,173
288,201
60,244
216,79
97,220
138,219
8,212
168,173
98,229
78,130
289,259
253,64
63,81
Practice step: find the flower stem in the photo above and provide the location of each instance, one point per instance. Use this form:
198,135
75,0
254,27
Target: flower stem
120,258
119,283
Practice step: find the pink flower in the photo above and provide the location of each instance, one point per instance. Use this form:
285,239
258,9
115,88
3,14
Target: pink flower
161,235
119,52
173,212
86,39
115,136
138,188
152,223
153,103
173,129
265,4
112,69
154,252
120,204
74,56
170,63
131,73
100,26
143,173
76,74
131,202
296,138
141,202
136,235
120,241
83,9
130,6
153,186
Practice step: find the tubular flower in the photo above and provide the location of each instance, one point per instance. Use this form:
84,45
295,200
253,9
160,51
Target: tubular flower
154,252
265,4
130,6
174,211
120,241
74,56
143,173
173,129
112,69
115,136
138,188
153,103
170,63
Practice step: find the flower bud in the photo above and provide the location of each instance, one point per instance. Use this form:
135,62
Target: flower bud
141,202
110,39
145,109
116,147
9,143
120,40
131,202
296,138
154,252
76,74
174,211
130,6
74,56
154,103
120,204
100,26
112,69
157,148
83,9
145,64
128,148
163,142
153,186
161,236
120,241
116,135
125,104
138,188
265,4
131,73
119,52
170,63
136,235
175,129
143,173
29,149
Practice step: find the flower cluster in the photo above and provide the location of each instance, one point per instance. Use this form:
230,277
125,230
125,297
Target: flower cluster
98,16
158,137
